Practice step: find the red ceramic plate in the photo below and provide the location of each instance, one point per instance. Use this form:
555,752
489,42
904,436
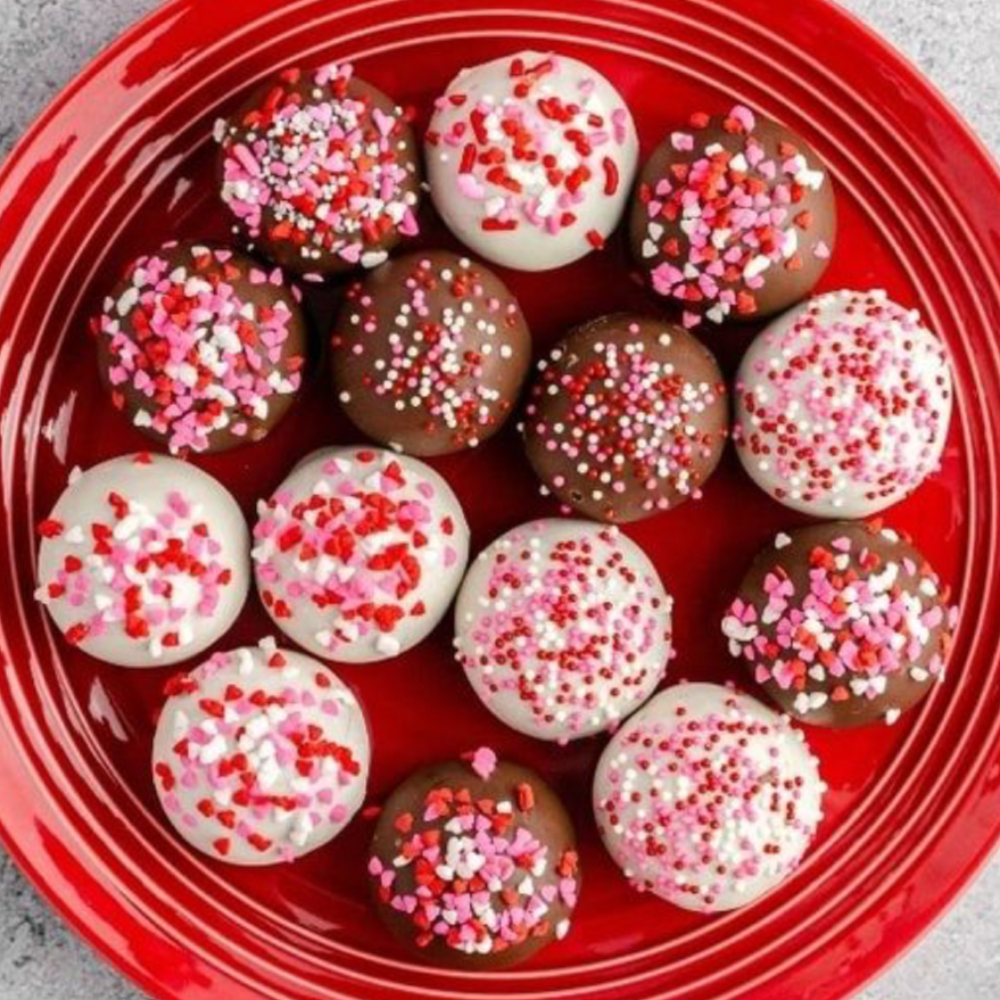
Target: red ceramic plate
123,159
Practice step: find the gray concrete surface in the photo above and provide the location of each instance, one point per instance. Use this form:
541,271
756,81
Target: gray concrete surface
44,42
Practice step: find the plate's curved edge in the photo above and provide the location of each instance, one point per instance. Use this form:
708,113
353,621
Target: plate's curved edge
12,843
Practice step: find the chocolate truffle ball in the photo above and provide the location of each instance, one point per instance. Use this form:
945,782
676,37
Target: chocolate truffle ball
843,624
627,417
707,798
202,347
429,353
144,561
563,628
261,755
359,552
734,218
319,171
474,865
530,159
843,405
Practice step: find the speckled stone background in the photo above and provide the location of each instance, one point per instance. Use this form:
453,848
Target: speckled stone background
43,43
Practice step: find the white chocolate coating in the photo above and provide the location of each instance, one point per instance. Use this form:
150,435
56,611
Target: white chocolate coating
564,191
843,405
563,628
144,561
690,814
359,553
261,755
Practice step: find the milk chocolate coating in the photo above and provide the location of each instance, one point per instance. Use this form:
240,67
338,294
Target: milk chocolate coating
430,352
546,820
813,218
245,423
285,248
843,707
637,422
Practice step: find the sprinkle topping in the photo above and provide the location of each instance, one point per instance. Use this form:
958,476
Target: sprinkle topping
726,214
707,809
563,628
261,755
864,613
631,417
358,545
436,340
154,574
844,405
322,169
471,874
536,143
191,353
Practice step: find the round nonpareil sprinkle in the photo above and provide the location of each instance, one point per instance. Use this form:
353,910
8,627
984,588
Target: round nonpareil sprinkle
563,628
843,405
707,799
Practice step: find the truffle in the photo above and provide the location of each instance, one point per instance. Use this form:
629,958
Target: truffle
359,552
707,798
429,353
319,171
530,159
202,347
734,218
843,624
563,628
260,756
627,418
144,561
473,864
843,405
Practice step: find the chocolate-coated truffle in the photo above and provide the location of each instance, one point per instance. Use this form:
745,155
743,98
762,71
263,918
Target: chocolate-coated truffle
359,552
261,755
319,171
144,561
202,347
530,159
734,218
627,417
843,624
707,798
474,864
843,405
563,628
429,353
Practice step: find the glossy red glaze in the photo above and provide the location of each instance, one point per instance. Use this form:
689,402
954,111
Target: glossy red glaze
123,159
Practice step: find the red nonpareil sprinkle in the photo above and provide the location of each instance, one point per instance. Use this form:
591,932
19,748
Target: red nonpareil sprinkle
50,528
595,239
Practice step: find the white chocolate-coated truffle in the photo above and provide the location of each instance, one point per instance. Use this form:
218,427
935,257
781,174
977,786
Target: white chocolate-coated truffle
563,628
707,798
261,755
843,405
359,552
144,561
530,159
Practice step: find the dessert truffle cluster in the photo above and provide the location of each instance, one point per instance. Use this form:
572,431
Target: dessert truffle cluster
563,627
